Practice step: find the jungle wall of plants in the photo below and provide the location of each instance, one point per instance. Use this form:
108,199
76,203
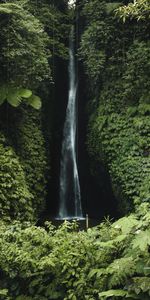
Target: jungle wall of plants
115,49
110,261
32,33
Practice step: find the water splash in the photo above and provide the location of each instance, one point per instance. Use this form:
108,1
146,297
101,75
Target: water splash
70,196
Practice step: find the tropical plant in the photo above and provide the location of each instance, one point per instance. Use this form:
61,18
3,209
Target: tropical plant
119,101
15,197
139,10
14,96
106,261
24,53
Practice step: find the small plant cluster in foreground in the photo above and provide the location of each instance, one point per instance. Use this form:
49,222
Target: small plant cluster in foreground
110,261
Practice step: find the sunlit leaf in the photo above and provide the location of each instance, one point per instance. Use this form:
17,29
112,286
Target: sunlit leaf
111,293
25,93
142,240
35,102
13,97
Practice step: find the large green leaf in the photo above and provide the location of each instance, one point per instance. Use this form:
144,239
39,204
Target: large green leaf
13,97
25,93
35,102
3,292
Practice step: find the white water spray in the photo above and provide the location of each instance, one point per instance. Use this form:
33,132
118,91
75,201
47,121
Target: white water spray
70,197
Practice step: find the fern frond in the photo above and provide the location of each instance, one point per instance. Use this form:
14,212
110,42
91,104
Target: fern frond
120,270
140,285
118,293
142,240
97,272
126,224
112,293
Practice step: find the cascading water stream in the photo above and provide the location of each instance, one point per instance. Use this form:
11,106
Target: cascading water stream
70,197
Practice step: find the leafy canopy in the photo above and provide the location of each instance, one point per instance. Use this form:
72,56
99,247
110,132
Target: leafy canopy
24,49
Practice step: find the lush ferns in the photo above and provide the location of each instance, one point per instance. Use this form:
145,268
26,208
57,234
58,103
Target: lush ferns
106,262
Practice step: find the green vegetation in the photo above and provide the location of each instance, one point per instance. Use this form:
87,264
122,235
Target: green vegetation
110,260
31,33
116,57
14,96
24,54
139,10
23,167
15,198
31,150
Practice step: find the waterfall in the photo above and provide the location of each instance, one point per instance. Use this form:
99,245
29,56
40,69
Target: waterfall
70,197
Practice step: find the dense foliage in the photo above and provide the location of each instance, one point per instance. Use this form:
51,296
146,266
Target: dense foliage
139,10
24,53
116,57
15,197
32,35
110,261
31,149
24,160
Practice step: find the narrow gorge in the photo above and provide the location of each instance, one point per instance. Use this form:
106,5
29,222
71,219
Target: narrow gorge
74,150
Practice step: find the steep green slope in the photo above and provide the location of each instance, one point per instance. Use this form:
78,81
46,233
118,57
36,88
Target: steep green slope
32,33
15,197
116,57
28,141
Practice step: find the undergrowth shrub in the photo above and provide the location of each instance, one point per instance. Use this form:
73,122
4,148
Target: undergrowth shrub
109,261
